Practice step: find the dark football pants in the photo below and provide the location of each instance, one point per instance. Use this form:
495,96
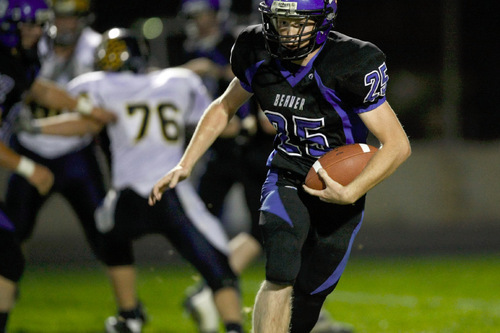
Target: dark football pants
11,257
307,243
134,218
77,177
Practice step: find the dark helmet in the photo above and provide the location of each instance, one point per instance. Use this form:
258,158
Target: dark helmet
121,50
14,12
191,7
321,12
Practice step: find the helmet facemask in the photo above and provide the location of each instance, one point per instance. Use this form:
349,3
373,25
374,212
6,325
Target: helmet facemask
70,33
296,46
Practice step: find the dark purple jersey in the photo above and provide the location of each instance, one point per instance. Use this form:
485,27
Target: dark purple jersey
17,73
313,108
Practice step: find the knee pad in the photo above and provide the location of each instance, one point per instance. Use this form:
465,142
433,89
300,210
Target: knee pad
226,282
219,274
115,251
282,246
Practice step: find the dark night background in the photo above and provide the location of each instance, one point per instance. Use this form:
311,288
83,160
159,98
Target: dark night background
411,34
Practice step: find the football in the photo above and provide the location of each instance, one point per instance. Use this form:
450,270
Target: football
342,164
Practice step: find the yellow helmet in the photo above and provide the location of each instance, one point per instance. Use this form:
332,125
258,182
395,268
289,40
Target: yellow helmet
121,50
71,7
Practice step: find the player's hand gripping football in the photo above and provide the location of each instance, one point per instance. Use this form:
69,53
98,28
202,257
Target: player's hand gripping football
334,192
170,180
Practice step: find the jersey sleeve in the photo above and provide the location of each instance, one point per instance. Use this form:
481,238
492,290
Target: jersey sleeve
356,70
366,84
247,54
86,84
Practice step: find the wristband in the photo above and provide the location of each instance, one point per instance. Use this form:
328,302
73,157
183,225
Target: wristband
26,167
84,105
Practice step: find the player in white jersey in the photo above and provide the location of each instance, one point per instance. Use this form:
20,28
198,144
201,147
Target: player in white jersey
153,111
78,176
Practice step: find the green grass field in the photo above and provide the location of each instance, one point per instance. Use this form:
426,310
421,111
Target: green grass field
404,294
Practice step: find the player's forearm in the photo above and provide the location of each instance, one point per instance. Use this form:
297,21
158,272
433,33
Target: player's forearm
383,164
214,121
395,149
211,125
12,161
50,95
8,158
68,125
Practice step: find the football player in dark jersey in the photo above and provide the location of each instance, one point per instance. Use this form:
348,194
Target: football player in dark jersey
22,23
78,175
320,89
19,34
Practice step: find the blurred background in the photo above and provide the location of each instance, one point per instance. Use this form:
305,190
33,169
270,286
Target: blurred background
443,68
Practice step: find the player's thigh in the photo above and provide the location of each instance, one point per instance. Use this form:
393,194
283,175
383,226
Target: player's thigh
120,219
284,225
196,235
81,181
85,197
132,217
22,204
327,249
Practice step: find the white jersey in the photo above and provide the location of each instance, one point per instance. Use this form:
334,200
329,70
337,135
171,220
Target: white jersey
152,110
62,71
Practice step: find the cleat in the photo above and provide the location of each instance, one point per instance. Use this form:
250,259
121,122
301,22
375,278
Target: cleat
201,307
122,325
119,324
326,324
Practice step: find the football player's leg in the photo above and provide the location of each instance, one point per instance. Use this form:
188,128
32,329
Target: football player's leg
130,316
22,204
247,247
244,249
325,256
11,269
83,187
117,218
199,238
22,200
285,225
